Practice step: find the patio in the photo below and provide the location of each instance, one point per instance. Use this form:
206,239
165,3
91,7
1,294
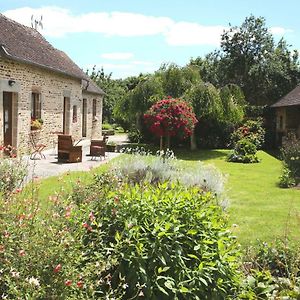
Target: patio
50,166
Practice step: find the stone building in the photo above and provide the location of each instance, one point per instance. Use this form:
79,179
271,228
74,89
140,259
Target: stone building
288,114
39,82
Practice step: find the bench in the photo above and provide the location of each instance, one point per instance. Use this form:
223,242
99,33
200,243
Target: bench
67,151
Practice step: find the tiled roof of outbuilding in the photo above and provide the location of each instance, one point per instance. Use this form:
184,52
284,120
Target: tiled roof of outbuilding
25,44
291,99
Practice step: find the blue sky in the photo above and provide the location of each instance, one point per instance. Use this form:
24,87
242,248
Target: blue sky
127,37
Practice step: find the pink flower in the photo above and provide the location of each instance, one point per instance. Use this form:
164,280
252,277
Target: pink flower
68,282
57,268
85,225
79,284
22,252
91,216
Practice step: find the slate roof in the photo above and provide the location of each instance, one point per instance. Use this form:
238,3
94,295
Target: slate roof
291,99
27,45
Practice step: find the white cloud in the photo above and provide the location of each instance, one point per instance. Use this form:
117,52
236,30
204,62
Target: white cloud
117,55
130,68
59,22
186,33
279,30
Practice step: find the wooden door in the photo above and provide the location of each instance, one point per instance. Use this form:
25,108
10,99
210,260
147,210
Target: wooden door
7,119
84,117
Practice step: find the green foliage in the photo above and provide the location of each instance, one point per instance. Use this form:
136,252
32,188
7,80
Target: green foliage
272,272
176,80
250,58
256,64
252,130
141,167
290,153
286,179
39,253
218,112
12,174
244,152
134,136
160,242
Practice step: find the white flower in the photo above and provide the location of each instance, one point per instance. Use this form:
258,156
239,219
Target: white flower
33,281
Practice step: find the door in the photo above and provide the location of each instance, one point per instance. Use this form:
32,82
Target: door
66,116
84,117
7,119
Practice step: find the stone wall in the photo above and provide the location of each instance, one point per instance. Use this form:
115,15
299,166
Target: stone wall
53,88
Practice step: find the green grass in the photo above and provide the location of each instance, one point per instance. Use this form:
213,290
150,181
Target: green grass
259,208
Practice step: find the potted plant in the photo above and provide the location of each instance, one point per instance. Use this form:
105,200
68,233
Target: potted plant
36,124
111,146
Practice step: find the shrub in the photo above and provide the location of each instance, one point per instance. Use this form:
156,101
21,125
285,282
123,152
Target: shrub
141,167
160,242
286,179
244,152
12,174
40,252
291,155
134,136
272,272
252,130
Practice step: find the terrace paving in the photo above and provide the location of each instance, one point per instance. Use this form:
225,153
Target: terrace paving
49,166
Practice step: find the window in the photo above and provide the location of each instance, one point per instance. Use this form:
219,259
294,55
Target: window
74,113
94,108
36,106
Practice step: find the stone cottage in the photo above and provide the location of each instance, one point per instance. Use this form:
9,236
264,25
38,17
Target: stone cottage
288,114
39,82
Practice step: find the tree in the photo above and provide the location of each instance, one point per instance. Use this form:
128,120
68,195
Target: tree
253,61
250,58
218,112
170,117
176,80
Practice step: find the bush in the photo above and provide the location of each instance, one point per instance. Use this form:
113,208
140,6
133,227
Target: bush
134,136
272,272
286,179
160,242
291,155
12,174
141,167
252,130
40,252
244,152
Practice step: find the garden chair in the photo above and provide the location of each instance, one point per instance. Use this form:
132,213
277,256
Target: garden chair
98,148
67,151
37,148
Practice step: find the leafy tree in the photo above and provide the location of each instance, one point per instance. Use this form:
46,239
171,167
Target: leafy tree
256,64
176,80
250,58
170,117
218,112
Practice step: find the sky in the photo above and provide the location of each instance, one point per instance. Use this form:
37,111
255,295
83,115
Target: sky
128,37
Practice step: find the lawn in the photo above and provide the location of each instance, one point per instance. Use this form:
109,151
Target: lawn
258,209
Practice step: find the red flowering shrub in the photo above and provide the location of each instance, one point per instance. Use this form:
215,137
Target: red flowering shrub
170,117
